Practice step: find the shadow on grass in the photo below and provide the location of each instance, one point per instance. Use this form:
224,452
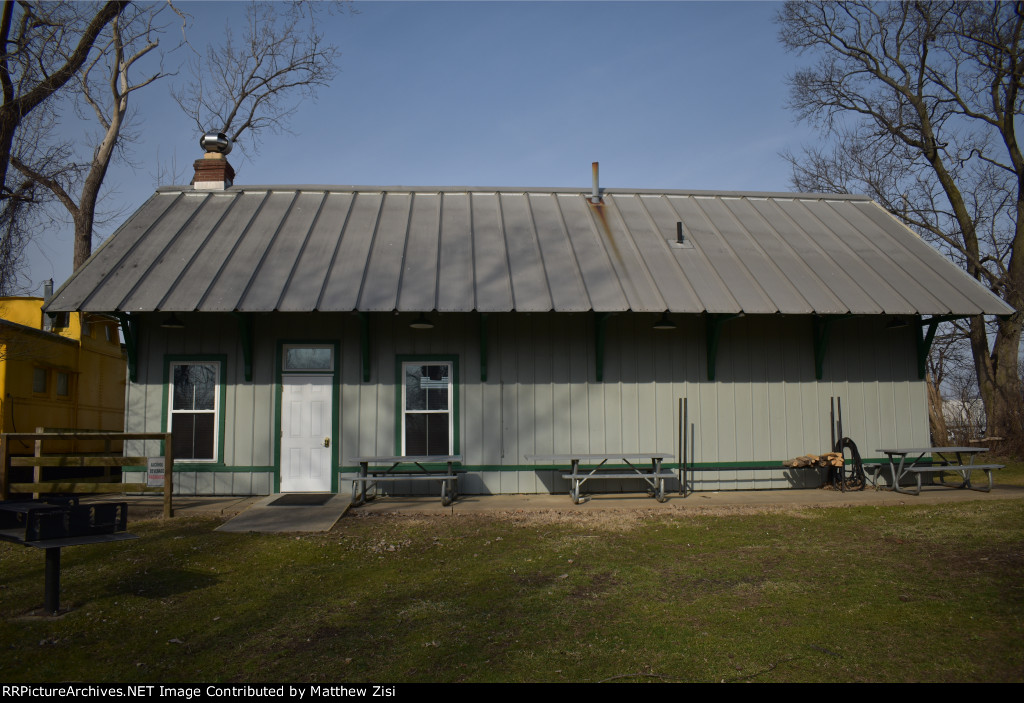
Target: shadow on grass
163,583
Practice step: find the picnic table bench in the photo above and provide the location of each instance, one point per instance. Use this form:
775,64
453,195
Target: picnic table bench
653,475
945,463
449,478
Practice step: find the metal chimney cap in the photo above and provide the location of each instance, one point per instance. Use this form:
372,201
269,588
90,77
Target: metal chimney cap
216,143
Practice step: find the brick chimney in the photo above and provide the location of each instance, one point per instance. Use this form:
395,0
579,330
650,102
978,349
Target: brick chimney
213,172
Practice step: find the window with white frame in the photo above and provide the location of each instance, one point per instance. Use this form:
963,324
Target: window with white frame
427,402
194,410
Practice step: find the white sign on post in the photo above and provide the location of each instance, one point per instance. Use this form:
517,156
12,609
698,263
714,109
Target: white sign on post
155,472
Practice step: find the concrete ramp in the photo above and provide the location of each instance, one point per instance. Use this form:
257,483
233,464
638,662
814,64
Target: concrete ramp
261,516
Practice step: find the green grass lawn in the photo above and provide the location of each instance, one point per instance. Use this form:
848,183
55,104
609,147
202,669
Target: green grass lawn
1012,475
919,593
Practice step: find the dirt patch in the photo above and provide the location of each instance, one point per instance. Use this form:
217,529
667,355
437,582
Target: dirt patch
599,586
598,520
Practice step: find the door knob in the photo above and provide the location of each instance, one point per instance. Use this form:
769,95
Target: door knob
327,441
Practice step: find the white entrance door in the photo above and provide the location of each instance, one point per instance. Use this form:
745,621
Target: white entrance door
306,441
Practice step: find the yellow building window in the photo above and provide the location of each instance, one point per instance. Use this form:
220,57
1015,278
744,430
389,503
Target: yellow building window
39,379
63,384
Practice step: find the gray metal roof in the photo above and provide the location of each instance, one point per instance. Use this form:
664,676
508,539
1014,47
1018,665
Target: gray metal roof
303,248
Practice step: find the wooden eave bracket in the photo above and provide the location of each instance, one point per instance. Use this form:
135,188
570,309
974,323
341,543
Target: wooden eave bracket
713,330
600,323
483,347
364,344
822,329
926,335
245,332
131,343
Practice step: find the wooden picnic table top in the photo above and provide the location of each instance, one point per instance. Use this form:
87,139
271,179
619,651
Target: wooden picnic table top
934,450
595,457
420,459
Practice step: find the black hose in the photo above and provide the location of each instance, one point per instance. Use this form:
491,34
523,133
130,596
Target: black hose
855,479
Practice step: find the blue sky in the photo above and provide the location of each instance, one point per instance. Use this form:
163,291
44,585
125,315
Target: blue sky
675,95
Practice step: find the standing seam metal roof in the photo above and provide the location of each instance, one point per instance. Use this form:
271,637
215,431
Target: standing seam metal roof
460,249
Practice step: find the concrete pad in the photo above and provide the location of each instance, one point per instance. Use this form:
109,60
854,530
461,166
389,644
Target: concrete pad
263,517
151,505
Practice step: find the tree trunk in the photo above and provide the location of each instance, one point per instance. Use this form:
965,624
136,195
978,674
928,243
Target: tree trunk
936,416
1000,385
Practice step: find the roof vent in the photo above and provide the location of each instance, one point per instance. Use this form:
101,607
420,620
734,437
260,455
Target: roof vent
215,143
595,193
680,242
213,172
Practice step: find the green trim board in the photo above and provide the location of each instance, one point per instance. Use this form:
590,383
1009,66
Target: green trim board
453,359
222,359
214,468
723,465
347,469
335,403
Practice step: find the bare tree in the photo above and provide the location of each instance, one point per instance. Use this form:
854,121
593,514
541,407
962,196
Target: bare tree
105,84
246,87
948,379
15,233
919,100
258,84
43,45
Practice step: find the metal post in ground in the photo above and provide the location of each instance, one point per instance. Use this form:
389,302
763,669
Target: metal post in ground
51,600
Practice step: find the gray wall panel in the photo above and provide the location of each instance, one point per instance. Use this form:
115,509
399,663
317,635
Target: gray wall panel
541,396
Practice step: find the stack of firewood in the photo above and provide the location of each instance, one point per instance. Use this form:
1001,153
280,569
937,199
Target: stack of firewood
809,461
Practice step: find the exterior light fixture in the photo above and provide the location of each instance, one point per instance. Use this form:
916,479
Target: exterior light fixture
422,323
896,323
664,323
172,322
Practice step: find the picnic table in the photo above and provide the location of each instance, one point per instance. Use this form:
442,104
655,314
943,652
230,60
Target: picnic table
950,459
449,479
652,475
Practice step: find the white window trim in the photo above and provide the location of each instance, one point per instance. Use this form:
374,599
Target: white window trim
215,412
451,401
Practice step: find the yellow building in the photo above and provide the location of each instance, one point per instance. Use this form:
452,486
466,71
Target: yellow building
61,372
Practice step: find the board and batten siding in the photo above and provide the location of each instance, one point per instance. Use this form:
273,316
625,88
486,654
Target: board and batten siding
541,395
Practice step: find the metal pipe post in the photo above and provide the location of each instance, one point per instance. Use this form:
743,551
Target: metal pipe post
51,600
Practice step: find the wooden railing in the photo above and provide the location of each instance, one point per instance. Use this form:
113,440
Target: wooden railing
41,460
